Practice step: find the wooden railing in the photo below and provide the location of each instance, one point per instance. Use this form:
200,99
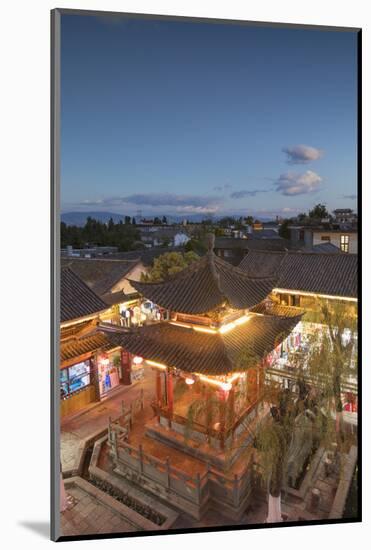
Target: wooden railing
346,385
210,432
195,488
162,472
124,423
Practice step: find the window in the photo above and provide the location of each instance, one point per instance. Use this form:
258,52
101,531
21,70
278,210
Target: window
74,378
294,300
344,243
325,238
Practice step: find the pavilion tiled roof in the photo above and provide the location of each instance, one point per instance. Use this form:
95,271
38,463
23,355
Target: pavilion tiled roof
74,330
100,275
330,274
204,353
252,243
75,347
117,297
205,285
277,309
77,299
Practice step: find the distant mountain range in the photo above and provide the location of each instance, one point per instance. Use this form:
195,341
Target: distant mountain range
79,218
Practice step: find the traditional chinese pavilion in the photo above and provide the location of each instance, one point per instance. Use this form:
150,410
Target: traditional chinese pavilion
207,355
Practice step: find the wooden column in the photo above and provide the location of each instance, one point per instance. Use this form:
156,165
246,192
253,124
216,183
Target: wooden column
158,387
170,394
94,375
209,411
261,378
125,367
222,411
158,393
231,407
252,385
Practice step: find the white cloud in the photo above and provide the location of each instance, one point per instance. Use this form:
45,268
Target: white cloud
246,193
292,183
302,154
179,203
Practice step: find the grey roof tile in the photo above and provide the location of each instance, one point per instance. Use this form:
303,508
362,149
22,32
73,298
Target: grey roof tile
205,285
213,354
77,299
320,273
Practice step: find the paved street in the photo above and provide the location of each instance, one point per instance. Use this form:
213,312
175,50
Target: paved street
79,427
87,515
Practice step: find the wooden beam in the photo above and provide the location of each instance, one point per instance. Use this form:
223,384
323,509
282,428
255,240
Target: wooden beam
170,394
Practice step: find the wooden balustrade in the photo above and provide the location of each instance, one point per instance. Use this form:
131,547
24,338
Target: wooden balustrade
191,487
194,487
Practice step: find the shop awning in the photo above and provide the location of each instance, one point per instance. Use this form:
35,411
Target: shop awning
83,348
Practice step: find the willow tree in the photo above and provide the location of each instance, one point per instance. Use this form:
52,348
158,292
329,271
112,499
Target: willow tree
282,438
332,362
311,411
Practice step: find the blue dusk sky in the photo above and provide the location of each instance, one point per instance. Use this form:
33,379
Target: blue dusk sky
182,118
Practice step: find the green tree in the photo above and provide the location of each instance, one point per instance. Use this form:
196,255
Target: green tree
168,264
94,232
311,412
273,440
319,211
195,245
333,359
111,225
284,230
227,221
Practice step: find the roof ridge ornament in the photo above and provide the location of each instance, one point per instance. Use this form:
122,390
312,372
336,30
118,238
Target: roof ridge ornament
213,269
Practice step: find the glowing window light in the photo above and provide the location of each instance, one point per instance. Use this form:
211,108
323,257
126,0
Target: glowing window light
229,326
305,293
198,329
219,383
137,360
222,330
189,381
242,320
178,324
204,329
155,364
